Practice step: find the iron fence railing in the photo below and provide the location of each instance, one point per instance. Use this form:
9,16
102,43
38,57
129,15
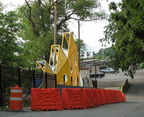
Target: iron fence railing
25,78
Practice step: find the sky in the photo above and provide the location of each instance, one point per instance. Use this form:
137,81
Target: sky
90,32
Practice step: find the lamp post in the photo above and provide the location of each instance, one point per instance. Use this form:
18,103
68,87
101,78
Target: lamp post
95,82
95,64
95,71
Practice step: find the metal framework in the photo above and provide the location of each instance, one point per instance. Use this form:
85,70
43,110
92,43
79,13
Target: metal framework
63,62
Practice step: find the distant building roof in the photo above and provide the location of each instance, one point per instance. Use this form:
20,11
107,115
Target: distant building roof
84,68
90,60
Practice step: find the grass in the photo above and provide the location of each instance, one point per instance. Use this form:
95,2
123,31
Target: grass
3,108
26,103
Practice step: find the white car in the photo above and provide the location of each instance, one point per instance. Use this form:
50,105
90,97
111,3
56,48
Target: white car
108,70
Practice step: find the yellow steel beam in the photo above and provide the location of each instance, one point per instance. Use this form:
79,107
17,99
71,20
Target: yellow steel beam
65,61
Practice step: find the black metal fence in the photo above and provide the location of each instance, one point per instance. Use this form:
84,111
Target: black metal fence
25,78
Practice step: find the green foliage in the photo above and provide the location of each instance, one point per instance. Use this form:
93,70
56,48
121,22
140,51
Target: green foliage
112,6
104,54
81,48
37,18
85,9
9,46
1,7
27,33
126,31
142,65
37,31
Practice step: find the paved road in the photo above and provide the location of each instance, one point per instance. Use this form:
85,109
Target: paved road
133,107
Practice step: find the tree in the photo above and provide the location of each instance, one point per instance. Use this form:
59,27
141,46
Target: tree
126,31
81,48
9,46
1,7
37,17
104,54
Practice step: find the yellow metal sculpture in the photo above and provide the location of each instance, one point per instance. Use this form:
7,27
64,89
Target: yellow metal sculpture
63,62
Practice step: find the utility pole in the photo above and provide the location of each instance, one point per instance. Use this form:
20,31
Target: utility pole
55,27
55,21
79,43
78,29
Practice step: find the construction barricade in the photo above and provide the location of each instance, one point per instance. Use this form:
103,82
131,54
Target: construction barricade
74,98
112,96
118,96
15,98
96,97
123,97
89,98
107,96
102,96
119,93
46,99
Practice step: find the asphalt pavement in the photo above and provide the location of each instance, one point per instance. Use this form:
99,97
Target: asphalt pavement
133,107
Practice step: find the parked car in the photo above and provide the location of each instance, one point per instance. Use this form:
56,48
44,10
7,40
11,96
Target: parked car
108,70
99,75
